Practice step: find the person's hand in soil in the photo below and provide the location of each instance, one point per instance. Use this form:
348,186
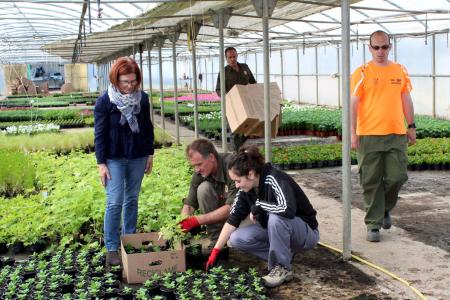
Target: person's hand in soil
189,223
212,258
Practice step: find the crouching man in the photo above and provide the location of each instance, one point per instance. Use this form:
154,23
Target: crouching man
211,190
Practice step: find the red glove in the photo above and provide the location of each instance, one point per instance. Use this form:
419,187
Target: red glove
189,223
212,258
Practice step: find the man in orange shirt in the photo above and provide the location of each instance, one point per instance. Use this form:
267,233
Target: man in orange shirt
380,103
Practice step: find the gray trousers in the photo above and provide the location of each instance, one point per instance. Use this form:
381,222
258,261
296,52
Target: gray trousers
208,201
278,242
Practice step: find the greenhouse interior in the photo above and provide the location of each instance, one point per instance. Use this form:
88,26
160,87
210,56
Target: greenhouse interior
346,104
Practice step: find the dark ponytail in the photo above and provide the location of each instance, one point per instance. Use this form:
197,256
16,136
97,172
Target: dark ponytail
248,158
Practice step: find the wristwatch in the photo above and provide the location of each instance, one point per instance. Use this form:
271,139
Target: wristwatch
412,125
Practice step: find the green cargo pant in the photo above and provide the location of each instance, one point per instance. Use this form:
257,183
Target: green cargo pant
208,201
382,162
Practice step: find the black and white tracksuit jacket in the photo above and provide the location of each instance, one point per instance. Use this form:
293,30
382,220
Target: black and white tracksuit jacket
279,194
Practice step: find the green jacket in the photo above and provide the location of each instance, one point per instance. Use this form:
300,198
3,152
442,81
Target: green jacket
223,185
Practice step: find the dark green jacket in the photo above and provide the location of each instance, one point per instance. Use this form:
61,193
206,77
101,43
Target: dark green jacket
244,77
223,185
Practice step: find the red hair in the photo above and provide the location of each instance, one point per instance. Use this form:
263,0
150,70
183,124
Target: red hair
124,66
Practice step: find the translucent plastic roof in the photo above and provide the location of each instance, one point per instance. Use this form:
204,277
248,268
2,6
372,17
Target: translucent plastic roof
28,27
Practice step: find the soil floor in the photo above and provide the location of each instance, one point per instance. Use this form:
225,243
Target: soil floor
416,249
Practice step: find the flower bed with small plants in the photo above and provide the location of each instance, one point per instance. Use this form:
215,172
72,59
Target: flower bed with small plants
67,274
312,120
184,109
429,153
49,101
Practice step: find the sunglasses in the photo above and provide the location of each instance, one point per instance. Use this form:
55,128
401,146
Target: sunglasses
376,48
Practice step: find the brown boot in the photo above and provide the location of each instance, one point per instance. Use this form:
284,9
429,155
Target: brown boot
113,258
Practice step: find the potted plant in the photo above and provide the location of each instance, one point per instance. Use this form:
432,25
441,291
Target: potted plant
110,280
142,294
116,270
67,285
126,293
167,288
152,284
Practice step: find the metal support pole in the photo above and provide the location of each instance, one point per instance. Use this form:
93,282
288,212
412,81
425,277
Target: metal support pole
222,83
317,74
256,66
338,55
282,74
298,75
346,163
394,40
175,89
161,90
102,73
205,75
364,54
267,121
140,66
433,77
194,85
150,91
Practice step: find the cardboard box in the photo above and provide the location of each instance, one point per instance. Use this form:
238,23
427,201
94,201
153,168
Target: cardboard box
259,130
138,267
245,108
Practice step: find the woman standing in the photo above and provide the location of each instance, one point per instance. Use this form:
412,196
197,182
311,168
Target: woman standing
124,150
284,221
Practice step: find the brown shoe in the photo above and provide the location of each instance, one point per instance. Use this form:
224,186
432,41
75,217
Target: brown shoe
113,258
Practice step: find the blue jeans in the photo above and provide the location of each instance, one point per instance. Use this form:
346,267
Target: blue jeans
122,193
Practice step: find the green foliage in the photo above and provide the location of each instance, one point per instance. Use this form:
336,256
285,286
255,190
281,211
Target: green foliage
430,127
310,118
71,204
307,153
38,115
162,192
429,150
66,141
185,108
49,101
17,173
62,142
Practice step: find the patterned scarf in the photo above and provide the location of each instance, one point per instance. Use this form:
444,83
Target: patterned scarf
128,104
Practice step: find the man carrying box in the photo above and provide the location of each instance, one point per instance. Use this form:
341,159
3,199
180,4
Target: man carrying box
211,190
235,73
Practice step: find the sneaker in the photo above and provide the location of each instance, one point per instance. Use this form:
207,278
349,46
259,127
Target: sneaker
277,276
387,220
373,235
113,258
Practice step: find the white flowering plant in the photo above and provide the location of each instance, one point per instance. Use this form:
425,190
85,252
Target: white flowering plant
31,129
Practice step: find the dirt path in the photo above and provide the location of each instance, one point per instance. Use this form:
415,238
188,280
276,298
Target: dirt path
416,248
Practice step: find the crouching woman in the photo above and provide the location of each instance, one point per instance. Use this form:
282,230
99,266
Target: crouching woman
284,221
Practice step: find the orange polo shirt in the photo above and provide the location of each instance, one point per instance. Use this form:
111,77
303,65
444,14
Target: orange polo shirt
380,110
